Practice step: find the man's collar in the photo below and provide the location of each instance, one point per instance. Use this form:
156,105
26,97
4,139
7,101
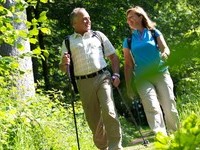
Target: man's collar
89,33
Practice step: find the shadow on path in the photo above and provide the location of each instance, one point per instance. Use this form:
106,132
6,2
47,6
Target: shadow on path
137,143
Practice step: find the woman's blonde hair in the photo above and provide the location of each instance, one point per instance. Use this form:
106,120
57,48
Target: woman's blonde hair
146,21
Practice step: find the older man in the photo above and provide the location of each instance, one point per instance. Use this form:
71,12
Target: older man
94,81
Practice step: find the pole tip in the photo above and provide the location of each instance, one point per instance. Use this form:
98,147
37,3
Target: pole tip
146,142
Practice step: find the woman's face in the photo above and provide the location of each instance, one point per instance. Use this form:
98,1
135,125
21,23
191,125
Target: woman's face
134,21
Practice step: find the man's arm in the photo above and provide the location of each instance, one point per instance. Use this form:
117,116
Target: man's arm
115,68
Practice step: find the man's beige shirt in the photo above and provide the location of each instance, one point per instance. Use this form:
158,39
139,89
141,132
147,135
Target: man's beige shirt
87,53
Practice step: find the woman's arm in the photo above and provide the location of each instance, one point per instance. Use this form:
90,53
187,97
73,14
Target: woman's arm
165,52
128,71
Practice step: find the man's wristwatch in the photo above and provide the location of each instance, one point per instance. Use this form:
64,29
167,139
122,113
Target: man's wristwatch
116,75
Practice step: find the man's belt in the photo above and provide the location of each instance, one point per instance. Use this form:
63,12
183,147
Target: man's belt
91,75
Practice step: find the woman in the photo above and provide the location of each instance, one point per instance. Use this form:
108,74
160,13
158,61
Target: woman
146,60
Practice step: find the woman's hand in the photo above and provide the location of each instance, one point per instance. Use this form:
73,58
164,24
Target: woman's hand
164,56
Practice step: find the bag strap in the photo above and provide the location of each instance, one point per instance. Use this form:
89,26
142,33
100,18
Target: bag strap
67,44
129,40
153,33
72,77
98,36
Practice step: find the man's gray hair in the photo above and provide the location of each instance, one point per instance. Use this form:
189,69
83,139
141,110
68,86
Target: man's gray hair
74,14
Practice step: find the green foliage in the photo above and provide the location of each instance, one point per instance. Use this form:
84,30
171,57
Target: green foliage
46,123
130,131
12,15
8,65
185,67
186,138
40,123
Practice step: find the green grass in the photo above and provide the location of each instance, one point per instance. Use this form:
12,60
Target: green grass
46,124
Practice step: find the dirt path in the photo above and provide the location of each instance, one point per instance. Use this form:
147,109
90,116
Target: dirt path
138,143
140,147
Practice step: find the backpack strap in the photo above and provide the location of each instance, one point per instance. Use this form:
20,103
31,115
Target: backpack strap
98,36
71,66
67,44
153,33
129,40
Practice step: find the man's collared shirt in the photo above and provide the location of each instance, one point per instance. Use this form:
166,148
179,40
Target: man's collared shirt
87,53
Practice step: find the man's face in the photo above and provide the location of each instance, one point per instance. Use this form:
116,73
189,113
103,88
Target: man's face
81,22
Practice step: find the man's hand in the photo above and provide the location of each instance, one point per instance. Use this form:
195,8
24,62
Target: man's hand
65,62
66,59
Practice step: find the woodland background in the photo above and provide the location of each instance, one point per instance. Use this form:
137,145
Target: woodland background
35,110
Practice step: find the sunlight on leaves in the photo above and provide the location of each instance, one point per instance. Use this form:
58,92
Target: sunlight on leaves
20,47
33,40
34,31
43,16
45,53
44,1
37,51
46,31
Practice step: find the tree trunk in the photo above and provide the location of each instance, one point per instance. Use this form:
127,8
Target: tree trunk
25,81
35,10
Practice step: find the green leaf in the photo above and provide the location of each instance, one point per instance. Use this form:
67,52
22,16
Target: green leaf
3,29
42,57
113,28
34,22
9,13
9,40
9,26
14,65
34,31
45,53
28,24
37,51
44,1
1,8
23,34
33,40
20,47
46,31
43,16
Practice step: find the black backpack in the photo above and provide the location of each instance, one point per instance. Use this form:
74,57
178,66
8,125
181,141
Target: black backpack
72,77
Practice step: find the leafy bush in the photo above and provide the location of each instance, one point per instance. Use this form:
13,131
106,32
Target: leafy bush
39,123
186,138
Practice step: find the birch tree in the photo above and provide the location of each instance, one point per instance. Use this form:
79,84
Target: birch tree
14,43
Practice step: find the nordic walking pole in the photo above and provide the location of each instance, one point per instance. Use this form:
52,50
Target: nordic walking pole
145,142
73,109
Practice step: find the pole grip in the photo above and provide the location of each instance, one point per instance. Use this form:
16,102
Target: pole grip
68,72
